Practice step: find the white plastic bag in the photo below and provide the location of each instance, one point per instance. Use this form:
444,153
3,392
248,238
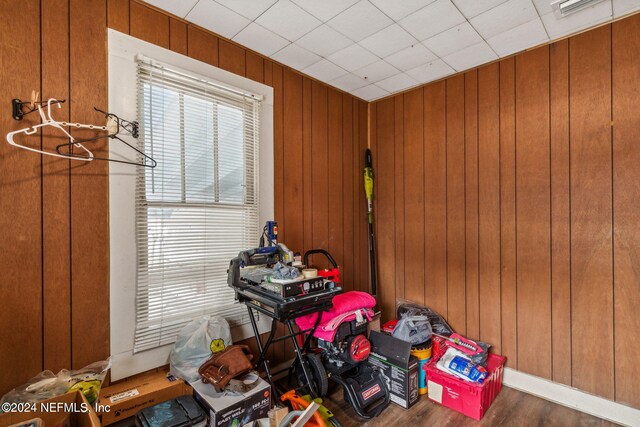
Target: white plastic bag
196,342
46,384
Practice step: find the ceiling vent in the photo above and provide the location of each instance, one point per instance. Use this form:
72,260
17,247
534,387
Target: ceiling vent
562,8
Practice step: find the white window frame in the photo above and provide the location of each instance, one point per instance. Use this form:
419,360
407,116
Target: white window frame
123,50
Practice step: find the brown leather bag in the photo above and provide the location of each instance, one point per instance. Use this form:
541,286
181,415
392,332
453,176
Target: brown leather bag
224,366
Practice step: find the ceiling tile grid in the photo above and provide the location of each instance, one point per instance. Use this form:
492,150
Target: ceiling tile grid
374,48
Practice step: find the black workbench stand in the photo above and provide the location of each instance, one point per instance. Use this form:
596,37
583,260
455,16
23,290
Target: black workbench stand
281,312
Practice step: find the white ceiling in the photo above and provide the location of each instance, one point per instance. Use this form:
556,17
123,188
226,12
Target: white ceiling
373,48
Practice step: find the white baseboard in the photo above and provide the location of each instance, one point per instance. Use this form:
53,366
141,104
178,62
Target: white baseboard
572,398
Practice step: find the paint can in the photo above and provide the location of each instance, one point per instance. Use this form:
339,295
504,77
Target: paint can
422,352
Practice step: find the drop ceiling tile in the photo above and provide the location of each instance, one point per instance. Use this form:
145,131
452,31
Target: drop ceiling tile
217,18
471,8
296,57
369,93
288,20
504,17
432,19
324,70
411,57
349,82
397,83
377,71
622,7
389,40
353,57
260,39
519,38
431,71
360,21
577,21
470,57
453,39
324,41
178,8
543,6
324,10
248,8
398,9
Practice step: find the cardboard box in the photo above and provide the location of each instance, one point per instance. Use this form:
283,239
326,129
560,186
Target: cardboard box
399,368
233,410
67,410
125,399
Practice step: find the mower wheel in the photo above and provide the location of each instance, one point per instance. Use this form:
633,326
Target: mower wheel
318,375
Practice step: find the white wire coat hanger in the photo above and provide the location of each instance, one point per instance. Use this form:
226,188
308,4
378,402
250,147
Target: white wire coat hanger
115,126
48,121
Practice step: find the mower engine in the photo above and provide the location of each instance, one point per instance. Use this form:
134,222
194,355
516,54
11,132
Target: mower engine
349,347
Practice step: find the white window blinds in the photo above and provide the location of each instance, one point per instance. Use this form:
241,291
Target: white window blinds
199,207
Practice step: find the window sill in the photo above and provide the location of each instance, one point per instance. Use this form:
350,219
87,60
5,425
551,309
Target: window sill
126,364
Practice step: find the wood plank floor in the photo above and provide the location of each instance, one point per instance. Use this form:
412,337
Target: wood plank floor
511,408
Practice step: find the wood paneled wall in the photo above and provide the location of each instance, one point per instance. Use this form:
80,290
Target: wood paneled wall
54,214
507,197
508,200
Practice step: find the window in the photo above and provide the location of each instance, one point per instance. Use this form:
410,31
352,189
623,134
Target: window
199,207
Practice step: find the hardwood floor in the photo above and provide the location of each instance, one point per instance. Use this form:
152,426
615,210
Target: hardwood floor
511,408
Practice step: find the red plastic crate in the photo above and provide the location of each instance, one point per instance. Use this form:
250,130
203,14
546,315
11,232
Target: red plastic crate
468,398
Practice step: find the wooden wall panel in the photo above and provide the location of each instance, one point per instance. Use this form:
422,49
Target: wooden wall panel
178,36
508,211
334,177
591,210
560,213
149,24
626,207
435,197
268,73
278,146
319,178
231,57
533,212
398,222
307,166
358,199
56,275
414,196
202,45
292,158
255,67
347,193
384,213
117,15
89,187
471,196
455,209
541,205
20,205
489,203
